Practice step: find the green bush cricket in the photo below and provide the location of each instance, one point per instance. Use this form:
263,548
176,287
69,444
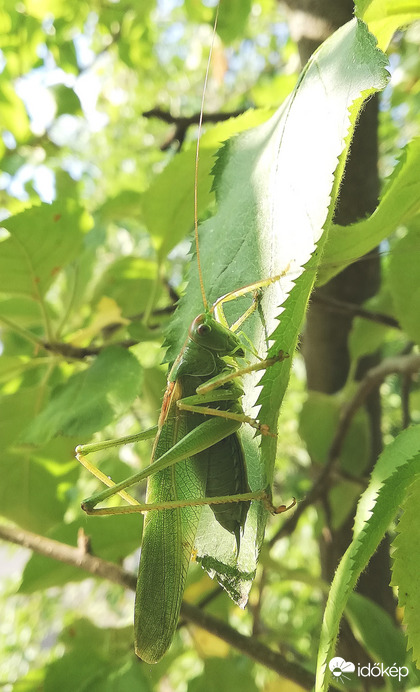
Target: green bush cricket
197,460
196,454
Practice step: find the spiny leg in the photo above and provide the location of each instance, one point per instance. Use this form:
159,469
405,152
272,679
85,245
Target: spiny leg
260,495
217,307
221,379
205,394
227,415
254,305
202,437
197,440
83,450
105,480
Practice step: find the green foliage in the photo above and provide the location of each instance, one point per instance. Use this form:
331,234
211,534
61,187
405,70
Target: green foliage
318,422
42,241
399,205
406,565
378,506
385,17
375,630
96,660
403,274
232,672
175,185
276,156
120,539
87,290
91,399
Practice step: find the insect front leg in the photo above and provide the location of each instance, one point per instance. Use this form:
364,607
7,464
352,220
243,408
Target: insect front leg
206,393
196,404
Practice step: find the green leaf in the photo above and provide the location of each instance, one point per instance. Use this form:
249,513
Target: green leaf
379,504
235,675
233,18
76,671
197,12
375,629
13,116
125,205
31,682
16,412
111,539
21,309
406,566
125,678
404,284
129,281
83,635
10,367
97,660
276,186
400,202
42,241
64,53
384,17
168,204
367,336
89,400
67,101
30,493
318,422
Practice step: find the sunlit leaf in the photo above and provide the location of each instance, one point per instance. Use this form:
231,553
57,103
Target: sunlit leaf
90,399
42,241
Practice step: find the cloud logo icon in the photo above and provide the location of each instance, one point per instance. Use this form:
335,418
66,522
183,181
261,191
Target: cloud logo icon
338,667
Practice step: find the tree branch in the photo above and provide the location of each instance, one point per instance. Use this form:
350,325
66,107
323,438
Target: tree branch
167,117
403,365
354,310
78,557
182,124
80,353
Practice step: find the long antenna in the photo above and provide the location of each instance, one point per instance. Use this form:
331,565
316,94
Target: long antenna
197,153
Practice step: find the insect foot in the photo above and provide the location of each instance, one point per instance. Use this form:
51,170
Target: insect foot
266,499
282,355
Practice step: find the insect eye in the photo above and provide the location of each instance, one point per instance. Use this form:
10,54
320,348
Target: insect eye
203,329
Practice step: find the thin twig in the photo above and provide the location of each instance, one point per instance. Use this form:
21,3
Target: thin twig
343,306
406,365
182,124
107,570
76,557
402,365
256,611
80,353
405,400
167,117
